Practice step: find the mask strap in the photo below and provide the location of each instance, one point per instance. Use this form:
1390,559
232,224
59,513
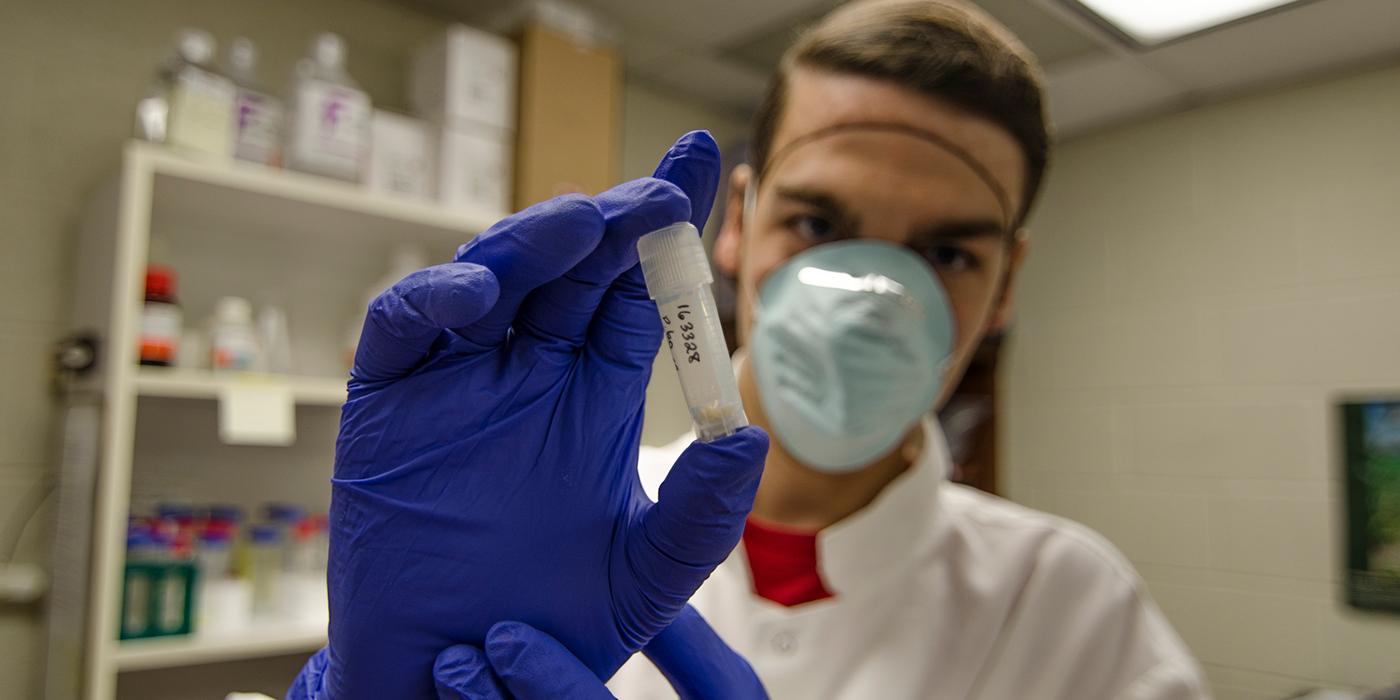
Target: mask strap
1003,199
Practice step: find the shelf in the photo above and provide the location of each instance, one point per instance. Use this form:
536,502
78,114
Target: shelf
203,384
255,642
195,187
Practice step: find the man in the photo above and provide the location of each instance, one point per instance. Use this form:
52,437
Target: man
919,123
875,236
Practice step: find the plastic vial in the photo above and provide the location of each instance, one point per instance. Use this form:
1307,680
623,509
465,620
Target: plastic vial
678,280
328,133
257,116
161,319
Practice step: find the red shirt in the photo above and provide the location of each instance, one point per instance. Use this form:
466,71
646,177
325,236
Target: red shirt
783,564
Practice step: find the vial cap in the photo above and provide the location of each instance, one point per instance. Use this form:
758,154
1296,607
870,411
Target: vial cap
673,260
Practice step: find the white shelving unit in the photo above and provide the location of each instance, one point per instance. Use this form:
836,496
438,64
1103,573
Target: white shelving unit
311,245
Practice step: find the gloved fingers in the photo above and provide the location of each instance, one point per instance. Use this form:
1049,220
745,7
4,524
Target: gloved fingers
700,512
462,672
626,331
557,315
699,664
527,250
535,666
693,164
310,683
402,323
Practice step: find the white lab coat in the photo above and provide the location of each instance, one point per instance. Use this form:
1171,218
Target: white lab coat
942,591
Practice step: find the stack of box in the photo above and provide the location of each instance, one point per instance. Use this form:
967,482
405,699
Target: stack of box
464,84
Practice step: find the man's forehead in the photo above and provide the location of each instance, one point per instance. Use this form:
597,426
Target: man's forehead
817,100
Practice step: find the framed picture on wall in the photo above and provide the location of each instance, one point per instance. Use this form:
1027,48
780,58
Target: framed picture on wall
1371,457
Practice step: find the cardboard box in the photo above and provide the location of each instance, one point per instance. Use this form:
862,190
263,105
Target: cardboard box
465,78
474,168
400,155
570,121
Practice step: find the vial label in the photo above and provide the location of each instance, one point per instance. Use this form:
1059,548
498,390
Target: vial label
259,119
680,324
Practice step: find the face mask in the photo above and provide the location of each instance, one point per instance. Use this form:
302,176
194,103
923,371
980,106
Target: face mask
848,348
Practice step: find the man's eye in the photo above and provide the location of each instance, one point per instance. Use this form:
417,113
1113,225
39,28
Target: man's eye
812,229
953,258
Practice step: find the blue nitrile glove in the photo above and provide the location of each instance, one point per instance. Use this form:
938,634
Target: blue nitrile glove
524,663
486,464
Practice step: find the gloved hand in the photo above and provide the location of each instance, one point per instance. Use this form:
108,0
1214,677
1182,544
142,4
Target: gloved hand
524,663
486,463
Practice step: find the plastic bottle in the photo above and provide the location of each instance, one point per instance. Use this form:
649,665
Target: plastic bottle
257,115
175,591
265,569
274,337
138,584
328,133
233,346
161,318
191,105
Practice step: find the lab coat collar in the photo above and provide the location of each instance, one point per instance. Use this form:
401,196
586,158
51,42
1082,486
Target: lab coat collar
883,537
892,532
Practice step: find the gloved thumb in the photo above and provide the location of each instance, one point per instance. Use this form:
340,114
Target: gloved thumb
701,508
535,666
462,672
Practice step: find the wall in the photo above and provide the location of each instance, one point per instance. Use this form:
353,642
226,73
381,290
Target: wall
1200,289
651,121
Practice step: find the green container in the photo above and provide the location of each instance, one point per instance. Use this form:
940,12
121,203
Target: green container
157,599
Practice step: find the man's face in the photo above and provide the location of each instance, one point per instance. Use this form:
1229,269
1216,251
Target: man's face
888,184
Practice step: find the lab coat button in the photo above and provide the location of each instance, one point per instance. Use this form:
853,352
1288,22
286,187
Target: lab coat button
784,642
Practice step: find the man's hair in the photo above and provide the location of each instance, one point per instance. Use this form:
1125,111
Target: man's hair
941,48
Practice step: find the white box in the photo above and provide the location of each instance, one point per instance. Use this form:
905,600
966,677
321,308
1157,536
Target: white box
465,77
400,155
475,167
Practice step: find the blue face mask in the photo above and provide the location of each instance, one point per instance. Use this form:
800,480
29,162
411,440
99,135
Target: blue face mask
848,348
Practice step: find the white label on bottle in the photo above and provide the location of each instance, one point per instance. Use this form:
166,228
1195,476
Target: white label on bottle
258,119
201,112
172,601
332,128
160,331
233,348
138,592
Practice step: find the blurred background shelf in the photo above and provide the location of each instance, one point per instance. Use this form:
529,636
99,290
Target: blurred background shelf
256,641
203,384
203,188
307,245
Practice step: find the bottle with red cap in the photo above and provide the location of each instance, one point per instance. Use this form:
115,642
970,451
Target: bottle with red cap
161,318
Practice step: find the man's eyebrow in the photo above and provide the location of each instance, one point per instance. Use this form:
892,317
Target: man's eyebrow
830,206
959,230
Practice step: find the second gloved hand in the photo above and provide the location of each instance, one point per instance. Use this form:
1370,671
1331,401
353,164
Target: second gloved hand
486,464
